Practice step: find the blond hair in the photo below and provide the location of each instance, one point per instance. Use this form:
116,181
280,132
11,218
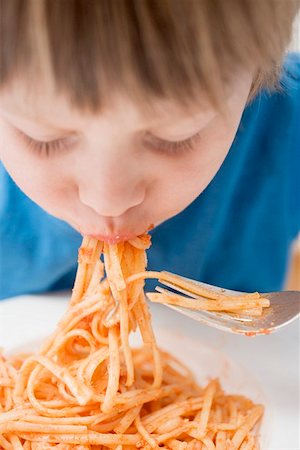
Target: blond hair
170,49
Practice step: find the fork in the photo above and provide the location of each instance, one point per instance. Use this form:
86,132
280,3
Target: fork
284,308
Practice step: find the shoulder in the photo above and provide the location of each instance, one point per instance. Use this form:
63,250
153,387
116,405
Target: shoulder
286,97
16,209
32,242
290,82
276,113
270,130
289,91
8,193
291,71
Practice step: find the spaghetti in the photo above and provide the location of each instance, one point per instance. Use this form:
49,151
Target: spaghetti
88,389
201,298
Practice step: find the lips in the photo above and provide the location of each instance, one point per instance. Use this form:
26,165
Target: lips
113,239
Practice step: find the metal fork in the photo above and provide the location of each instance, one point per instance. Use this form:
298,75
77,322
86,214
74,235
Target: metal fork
284,308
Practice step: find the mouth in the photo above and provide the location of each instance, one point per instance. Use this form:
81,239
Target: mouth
111,233
115,238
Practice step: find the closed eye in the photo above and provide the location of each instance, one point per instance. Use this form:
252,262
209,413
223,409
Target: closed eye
175,148
44,148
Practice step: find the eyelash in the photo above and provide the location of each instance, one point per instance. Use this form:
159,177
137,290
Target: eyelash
175,148
43,148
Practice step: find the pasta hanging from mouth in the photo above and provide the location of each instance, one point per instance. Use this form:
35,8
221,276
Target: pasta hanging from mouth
88,388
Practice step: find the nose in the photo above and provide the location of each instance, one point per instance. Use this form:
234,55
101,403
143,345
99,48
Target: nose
111,196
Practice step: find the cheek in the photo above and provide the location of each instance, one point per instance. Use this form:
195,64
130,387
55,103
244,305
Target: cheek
183,180
201,166
36,178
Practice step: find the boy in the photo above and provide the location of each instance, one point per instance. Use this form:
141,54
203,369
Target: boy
119,115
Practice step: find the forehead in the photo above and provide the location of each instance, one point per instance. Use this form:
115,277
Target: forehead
42,103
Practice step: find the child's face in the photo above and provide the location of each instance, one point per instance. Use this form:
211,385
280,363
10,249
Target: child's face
117,172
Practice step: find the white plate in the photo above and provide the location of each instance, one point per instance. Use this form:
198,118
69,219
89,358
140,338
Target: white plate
265,368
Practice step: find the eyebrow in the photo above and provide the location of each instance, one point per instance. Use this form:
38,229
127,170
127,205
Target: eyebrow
31,120
166,117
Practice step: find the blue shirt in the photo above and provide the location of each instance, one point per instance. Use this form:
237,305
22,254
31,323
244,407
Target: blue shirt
236,234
